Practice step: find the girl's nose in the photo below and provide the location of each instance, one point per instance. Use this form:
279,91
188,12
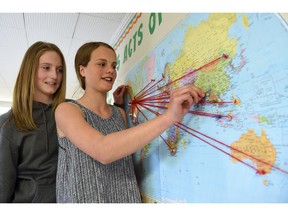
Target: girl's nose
54,73
110,69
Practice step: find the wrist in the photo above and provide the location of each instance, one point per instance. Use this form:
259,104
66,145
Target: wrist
169,118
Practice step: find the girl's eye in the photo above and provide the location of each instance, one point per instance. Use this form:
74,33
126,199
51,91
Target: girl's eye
45,68
60,70
102,64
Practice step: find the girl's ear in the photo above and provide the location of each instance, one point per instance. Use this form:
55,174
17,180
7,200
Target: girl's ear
82,70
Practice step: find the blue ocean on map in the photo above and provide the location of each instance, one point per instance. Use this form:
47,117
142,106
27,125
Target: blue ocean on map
234,148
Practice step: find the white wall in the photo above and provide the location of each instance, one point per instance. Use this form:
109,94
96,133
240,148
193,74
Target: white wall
4,107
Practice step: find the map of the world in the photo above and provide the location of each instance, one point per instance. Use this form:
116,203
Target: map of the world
233,145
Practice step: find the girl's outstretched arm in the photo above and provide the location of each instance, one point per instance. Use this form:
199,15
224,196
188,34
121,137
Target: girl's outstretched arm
106,149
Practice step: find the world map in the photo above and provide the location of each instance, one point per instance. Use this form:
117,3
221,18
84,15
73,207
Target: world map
233,145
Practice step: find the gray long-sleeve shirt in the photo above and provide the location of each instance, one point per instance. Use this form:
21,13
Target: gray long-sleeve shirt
28,160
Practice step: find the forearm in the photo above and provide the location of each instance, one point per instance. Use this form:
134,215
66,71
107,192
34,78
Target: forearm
126,142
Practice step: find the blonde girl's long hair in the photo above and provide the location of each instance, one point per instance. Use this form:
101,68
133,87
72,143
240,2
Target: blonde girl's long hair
23,94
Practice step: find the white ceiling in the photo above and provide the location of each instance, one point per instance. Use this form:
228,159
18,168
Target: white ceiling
67,30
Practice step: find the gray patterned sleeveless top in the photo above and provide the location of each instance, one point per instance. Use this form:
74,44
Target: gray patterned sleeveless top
81,179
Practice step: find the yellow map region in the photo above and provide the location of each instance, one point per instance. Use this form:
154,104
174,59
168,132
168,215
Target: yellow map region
259,147
202,44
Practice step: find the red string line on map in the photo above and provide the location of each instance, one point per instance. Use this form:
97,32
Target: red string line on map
144,95
145,100
190,130
147,91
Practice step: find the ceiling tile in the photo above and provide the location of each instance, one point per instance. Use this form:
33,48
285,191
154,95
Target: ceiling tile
95,28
